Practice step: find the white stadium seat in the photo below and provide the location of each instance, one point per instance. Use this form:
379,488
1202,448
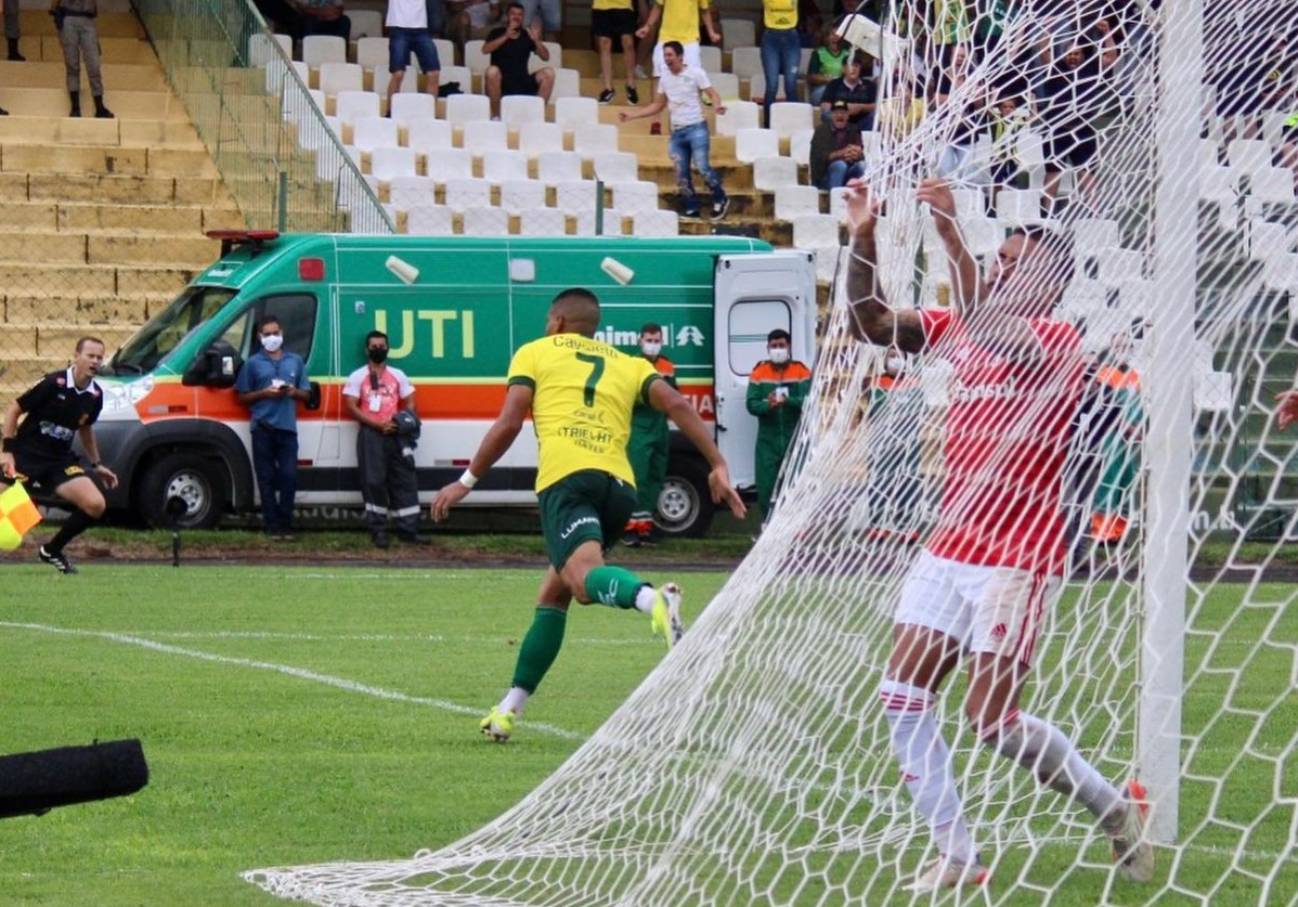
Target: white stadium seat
788,117
769,173
1019,206
1249,155
710,58
350,106
425,135
515,110
372,53
366,23
534,138
794,201
636,197
485,135
387,163
445,52
456,75
739,115
655,223
746,62
569,113
371,132
406,192
500,166
320,49
800,146
474,58
517,196
567,84
542,222
486,221
430,220
616,167
594,139
1091,235
407,107
815,231
575,196
611,226
750,144
467,108
554,167
261,49
446,164
339,77
462,194
738,33
726,84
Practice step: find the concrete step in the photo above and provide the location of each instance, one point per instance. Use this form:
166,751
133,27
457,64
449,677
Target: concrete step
55,340
126,105
34,22
107,249
141,219
47,281
61,130
83,310
777,233
105,188
52,74
94,159
48,49
19,371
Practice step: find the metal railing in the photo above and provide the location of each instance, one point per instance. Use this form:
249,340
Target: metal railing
277,156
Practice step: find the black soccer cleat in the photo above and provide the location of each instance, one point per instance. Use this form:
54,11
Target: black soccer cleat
57,559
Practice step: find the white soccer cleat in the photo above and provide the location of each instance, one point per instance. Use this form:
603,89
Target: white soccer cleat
1131,851
666,620
944,873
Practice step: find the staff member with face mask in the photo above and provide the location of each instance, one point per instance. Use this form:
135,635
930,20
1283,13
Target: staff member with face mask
270,384
648,446
776,389
374,393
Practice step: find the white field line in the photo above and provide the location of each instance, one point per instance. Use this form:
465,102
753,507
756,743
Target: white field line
339,683
360,637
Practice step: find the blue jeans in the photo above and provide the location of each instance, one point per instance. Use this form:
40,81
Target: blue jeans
274,458
401,41
839,172
692,143
781,53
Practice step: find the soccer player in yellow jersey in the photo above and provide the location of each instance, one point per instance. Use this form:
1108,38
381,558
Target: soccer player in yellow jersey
580,393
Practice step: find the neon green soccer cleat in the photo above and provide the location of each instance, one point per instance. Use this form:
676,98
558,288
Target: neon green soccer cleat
498,725
666,619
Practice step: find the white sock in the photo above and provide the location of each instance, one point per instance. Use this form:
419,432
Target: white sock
926,766
1042,749
645,598
514,700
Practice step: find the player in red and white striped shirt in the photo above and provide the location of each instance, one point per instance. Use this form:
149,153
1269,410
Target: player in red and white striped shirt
995,559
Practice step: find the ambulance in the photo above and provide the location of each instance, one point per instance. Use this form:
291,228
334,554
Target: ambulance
455,309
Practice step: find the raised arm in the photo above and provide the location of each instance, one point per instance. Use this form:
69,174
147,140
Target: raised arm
872,319
499,438
666,399
966,282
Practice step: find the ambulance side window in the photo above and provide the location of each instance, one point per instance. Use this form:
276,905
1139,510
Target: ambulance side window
296,313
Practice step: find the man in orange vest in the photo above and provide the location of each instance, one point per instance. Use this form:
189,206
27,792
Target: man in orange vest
776,389
649,444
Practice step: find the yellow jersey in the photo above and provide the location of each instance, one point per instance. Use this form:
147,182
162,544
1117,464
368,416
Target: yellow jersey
681,20
611,4
583,395
780,13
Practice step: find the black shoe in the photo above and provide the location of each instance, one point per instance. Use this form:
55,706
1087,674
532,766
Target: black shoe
14,55
75,97
606,96
632,96
413,538
102,112
631,540
381,539
720,207
3,112
57,559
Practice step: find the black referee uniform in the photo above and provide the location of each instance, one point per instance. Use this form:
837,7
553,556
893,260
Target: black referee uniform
56,410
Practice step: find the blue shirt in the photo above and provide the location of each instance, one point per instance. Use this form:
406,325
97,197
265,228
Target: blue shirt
257,373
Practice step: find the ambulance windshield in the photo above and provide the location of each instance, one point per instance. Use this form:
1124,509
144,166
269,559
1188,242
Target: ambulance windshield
166,330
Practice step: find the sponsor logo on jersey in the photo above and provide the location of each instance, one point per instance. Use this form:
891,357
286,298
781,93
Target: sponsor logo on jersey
1000,631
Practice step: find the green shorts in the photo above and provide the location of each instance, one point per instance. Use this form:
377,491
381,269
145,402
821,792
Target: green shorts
587,506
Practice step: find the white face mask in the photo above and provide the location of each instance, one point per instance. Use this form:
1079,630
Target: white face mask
779,355
272,342
651,348
894,364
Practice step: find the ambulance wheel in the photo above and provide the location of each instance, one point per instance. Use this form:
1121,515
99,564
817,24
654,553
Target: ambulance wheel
685,505
192,478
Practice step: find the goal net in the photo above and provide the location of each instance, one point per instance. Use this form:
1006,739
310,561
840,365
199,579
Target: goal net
755,764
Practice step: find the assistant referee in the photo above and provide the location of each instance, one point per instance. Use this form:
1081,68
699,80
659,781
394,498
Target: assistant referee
61,406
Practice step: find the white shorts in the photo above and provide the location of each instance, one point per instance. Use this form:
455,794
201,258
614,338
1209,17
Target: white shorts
993,610
691,58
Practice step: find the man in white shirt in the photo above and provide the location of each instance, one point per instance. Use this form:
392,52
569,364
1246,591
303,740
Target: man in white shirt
678,91
407,24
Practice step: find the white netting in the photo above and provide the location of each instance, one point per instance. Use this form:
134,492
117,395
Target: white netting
754,765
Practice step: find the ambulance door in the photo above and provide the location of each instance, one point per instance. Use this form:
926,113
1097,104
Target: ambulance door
755,294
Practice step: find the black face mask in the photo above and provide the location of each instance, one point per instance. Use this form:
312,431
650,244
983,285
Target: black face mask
378,355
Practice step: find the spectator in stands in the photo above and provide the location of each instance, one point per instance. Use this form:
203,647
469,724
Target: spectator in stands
858,92
615,20
1009,121
13,30
678,90
436,11
1255,66
1074,94
270,384
991,23
324,17
948,31
826,64
472,19
282,17
680,24
510,49
901,112
549,12
75,21
407,24
811,24
837,154
781,50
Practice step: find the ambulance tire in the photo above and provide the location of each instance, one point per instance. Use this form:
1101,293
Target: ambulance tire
685,505
192,477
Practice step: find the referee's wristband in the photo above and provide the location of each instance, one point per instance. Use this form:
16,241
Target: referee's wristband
468,480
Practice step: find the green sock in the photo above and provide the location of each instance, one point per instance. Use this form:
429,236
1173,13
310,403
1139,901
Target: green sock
540,647
614,586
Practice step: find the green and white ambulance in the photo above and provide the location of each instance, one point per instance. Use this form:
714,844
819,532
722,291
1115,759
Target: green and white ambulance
455,309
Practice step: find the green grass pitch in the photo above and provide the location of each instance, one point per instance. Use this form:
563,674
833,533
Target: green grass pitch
308,715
